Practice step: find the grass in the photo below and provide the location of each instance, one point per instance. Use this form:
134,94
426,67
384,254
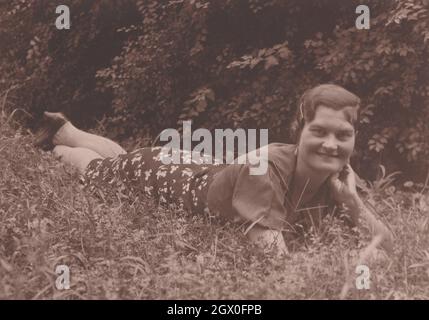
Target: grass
127,247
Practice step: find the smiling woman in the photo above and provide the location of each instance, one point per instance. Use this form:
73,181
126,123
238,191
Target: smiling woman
303,182
325,133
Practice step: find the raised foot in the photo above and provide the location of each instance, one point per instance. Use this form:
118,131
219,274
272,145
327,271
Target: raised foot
52,122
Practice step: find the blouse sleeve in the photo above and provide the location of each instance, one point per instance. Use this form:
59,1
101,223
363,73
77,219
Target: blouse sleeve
251,197
260,198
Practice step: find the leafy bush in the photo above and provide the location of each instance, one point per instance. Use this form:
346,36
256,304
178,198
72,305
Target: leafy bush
52,69
150,64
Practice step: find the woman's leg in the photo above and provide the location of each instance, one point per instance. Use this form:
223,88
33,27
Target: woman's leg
69,135
77,157
58,130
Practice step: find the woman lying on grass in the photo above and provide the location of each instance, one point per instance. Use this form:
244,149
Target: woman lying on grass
303,183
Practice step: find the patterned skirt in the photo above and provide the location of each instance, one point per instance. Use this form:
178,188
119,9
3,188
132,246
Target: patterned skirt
184,185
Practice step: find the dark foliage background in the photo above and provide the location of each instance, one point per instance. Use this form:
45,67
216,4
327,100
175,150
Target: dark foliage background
142,66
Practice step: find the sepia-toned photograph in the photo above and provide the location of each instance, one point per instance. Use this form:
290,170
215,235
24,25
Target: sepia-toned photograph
214,150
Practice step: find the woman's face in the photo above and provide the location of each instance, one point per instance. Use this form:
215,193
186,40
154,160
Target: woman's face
327,142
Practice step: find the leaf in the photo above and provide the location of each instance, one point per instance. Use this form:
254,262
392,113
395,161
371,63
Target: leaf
201,106
408,184
261,52
426,38
254,62
6,265
284,53
270,62
210,94
418,265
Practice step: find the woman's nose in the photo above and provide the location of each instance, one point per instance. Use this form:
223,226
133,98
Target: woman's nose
330,144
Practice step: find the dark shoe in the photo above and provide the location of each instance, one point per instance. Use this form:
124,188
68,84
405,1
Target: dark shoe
52,122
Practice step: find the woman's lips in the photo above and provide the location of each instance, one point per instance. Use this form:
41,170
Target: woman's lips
327,155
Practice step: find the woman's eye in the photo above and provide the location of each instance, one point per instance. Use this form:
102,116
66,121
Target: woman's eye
344,135
318,132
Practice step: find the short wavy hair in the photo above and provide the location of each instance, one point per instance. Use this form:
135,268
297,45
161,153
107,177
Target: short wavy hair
328,95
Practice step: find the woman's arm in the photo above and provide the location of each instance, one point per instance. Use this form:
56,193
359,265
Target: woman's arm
358,209
344,191
268,238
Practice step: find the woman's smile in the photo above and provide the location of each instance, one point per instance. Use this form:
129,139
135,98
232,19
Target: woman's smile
327,155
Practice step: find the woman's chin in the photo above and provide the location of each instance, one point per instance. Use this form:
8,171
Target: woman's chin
328,168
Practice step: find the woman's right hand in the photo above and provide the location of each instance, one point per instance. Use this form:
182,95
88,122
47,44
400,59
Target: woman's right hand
268,239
